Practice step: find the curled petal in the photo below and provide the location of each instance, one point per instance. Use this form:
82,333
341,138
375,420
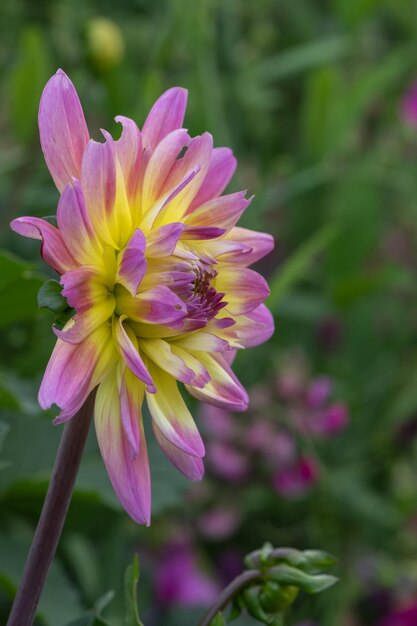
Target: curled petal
260,244
129,476
171,415
161,353
221,169
132,263
158,305
74,370
191,466
222,212
201,340
254,328
126,342
83,288
196,158
83,324
129,150
202,232
53,249
166,115
75,225
162,241
159,168
63,131
245,289
224,390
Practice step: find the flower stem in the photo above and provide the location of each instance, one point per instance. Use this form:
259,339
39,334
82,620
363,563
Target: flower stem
227,594
52,517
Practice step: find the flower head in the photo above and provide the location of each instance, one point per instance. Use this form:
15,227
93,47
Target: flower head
153,263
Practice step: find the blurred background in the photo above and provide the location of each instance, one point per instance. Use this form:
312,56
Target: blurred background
318,99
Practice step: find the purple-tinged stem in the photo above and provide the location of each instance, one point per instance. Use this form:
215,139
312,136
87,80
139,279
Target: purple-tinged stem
52,517
239,583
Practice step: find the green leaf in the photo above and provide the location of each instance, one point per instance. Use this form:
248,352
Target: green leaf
218,620
49,297
59,603
297,266
26,81
18,289
131,594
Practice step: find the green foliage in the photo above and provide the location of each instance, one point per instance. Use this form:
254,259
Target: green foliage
18,288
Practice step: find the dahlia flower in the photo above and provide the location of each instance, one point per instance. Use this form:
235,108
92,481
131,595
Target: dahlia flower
152,263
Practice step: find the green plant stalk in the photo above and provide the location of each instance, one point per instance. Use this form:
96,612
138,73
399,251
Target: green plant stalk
52,517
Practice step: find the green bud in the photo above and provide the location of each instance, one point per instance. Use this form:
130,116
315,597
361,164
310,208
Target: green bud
252,604
274,597
218,620
287,575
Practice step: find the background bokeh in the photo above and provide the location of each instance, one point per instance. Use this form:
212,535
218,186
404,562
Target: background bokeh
318,101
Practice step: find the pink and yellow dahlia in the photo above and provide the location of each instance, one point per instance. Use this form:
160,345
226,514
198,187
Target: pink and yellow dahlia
151,260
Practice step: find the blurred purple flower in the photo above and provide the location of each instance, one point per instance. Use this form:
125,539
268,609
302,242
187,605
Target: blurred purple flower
318,391
218,422
295,480
219,523
227,462
401,617
408,105
180,580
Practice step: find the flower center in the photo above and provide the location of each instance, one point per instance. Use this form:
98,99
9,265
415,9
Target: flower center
202,300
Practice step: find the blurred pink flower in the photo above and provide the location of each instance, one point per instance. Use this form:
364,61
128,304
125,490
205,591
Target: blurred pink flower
408,105
318,391
218,422
227,462
219,523
294,481
180,580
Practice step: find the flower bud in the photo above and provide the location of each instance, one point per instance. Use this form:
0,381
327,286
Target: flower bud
105,44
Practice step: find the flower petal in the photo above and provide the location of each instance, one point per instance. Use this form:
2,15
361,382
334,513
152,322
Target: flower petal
74,370
132,263
53,249
171,415
245,289
260,245
222,212
166,115
126,341
224,390
83,288
132,393
158,305
75,225
161,353
254,328
191,466
162,241
129,476
83,324
222,167
129,151
201,340
63,131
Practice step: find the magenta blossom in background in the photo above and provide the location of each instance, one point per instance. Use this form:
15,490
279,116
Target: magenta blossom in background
294,481
227,462
401,617
408,105
180,580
